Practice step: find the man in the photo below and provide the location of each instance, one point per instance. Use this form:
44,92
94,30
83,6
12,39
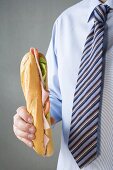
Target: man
63,56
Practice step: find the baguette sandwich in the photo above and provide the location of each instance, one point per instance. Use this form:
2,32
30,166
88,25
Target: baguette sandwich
33,75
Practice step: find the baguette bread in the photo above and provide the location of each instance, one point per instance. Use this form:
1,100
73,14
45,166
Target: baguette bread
33,75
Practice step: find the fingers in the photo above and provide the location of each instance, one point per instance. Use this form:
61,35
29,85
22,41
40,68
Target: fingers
26,141
22,125
23,134
22,112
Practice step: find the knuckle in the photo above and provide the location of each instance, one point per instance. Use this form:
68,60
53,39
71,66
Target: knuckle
18,109
23,114
21,109
15,130
19,133
14,117
20,113
20,138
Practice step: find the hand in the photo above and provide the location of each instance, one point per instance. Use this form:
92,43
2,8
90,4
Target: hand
23,126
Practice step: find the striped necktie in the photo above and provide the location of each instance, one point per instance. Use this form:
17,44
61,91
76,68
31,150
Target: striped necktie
84,129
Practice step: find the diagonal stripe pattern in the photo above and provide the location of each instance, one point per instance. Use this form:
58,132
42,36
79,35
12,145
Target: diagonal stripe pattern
84,129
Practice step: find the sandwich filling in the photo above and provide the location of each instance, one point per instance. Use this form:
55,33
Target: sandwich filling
42,67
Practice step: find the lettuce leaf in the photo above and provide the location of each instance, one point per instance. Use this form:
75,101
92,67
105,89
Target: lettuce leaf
43,66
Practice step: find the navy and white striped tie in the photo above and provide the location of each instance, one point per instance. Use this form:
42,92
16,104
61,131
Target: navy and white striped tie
84,129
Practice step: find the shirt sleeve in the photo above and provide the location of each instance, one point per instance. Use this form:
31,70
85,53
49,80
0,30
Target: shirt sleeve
53,80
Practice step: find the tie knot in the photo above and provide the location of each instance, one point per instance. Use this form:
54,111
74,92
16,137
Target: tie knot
100,13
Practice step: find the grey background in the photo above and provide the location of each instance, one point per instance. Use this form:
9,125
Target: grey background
23,24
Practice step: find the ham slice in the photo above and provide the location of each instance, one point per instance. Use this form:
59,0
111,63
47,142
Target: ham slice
45,95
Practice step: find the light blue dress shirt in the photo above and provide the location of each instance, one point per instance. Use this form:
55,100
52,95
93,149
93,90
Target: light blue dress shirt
63,58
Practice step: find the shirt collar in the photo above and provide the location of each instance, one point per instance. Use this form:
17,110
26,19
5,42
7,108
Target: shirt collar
94,3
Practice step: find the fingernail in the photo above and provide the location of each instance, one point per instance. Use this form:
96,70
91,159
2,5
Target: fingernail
30,120
31,130
30,136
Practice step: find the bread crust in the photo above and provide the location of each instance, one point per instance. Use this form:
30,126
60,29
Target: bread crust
31,85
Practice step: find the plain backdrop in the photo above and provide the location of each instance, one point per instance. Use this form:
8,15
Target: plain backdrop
23,24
